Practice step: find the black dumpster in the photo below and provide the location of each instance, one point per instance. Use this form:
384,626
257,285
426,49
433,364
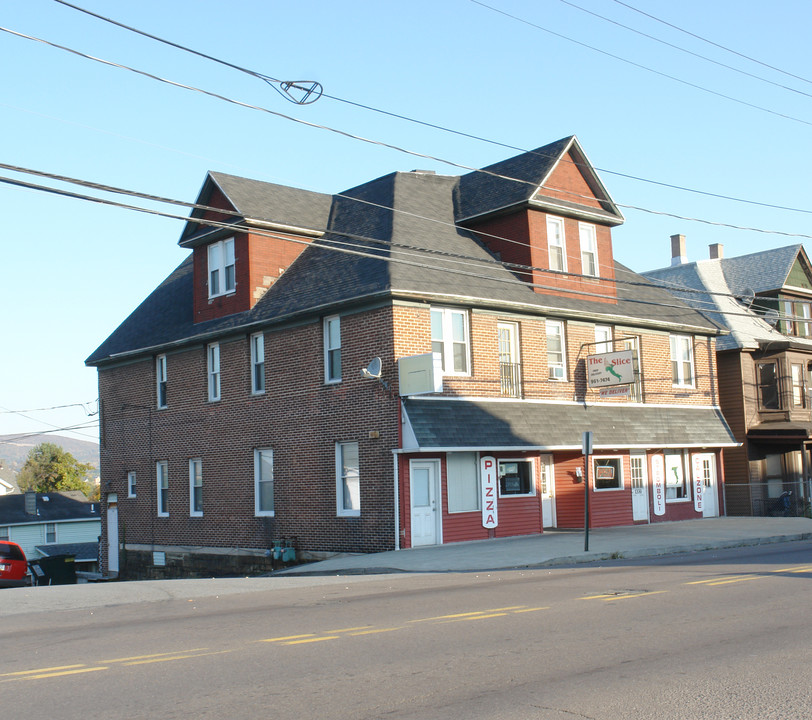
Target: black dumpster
55,570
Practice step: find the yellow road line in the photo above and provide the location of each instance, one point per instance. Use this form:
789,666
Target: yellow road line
177,657
42,670
64,672
514,607
710,581
349,630
738,579
527,609
626,597
154,655
475,617
287,637
447,617
376,630
312,640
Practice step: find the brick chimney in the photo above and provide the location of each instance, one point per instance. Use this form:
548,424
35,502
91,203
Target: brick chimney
678,256
717,251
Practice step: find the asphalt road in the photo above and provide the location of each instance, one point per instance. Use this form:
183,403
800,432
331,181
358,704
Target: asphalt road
715,635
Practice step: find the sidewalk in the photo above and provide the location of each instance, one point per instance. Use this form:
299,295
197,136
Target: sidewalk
552,548
561,547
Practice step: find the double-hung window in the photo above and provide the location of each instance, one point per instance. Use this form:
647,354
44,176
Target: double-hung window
196,487
556,356
162,480
213,364
348,480
50,532
682,361
222,277
257,363
131,484
556,245
332,349
589,249
160,376
263,482
603,339
798,388
449,338
768,395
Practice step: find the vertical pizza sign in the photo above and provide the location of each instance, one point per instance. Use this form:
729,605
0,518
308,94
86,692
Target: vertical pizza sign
490,518
658,483
699,484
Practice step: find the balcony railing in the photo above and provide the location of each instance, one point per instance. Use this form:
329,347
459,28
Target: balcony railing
510,377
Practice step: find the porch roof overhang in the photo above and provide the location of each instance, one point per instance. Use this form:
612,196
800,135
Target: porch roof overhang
447,424
781,432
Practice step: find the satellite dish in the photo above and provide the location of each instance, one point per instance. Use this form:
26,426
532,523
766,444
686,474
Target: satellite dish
373,370
748,296
771,317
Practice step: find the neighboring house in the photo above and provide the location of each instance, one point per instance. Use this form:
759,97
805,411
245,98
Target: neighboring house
765,368
401,364
46,523
7,487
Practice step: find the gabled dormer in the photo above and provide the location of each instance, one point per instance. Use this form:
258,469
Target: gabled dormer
546,210
246,235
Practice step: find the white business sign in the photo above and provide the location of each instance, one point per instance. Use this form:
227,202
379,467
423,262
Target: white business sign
658,484
616,368
490,491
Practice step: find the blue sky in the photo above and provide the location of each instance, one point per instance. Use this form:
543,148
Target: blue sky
641,109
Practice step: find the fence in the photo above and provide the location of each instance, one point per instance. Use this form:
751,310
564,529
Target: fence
771,498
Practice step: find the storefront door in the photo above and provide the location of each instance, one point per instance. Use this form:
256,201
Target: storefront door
639,488
710,494
547,491
423,477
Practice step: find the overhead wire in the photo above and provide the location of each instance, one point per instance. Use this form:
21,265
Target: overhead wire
424,123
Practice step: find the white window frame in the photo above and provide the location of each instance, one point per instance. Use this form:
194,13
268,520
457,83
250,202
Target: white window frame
556,370
442,320
213,371
195,487
348,482
131,478
529,462
160,381
462,482
162,487
556,239
332,349
259,454
589,249
50,529
677,459
678,345
257,342
222,268
621,480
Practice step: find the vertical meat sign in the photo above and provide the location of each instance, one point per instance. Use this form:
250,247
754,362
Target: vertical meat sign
658,484
490,518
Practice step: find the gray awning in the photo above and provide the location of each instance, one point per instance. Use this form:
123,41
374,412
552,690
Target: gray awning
448,424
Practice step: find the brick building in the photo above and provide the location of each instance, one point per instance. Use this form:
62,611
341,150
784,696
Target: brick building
403,363
764,300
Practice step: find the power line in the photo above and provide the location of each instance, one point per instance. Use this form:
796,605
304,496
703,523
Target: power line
255,73
4,411
678,47
711,42
639,65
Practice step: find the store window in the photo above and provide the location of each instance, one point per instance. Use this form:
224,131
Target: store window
607,473
462,482
516,477
676,478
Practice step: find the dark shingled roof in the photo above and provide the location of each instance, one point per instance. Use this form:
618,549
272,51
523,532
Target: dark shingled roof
82,552
760,272
58,506
476,424
371,253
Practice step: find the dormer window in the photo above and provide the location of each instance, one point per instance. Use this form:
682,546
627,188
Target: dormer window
222,279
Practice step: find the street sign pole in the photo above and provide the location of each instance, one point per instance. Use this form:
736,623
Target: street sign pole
586,449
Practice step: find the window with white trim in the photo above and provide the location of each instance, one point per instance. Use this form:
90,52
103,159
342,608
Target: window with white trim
4,532
257,363
348,480
50,532
131,484
263,482
462,482
162,481
798,387
556,245
222,275
603,339
589,249
676,476
332,349
556,356
516,478
160,376
607,473
213,365
449,338
682,361
196,487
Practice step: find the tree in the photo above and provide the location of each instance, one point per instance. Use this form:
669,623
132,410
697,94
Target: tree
51,468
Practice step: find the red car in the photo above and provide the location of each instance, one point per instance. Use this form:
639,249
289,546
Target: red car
13,565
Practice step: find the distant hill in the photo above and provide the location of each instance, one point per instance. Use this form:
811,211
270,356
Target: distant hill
14,450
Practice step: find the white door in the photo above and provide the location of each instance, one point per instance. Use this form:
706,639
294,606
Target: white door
423,475
112,536
710,493
547,491
639,488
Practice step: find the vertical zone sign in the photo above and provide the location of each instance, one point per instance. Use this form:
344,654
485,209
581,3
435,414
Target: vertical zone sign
490,480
